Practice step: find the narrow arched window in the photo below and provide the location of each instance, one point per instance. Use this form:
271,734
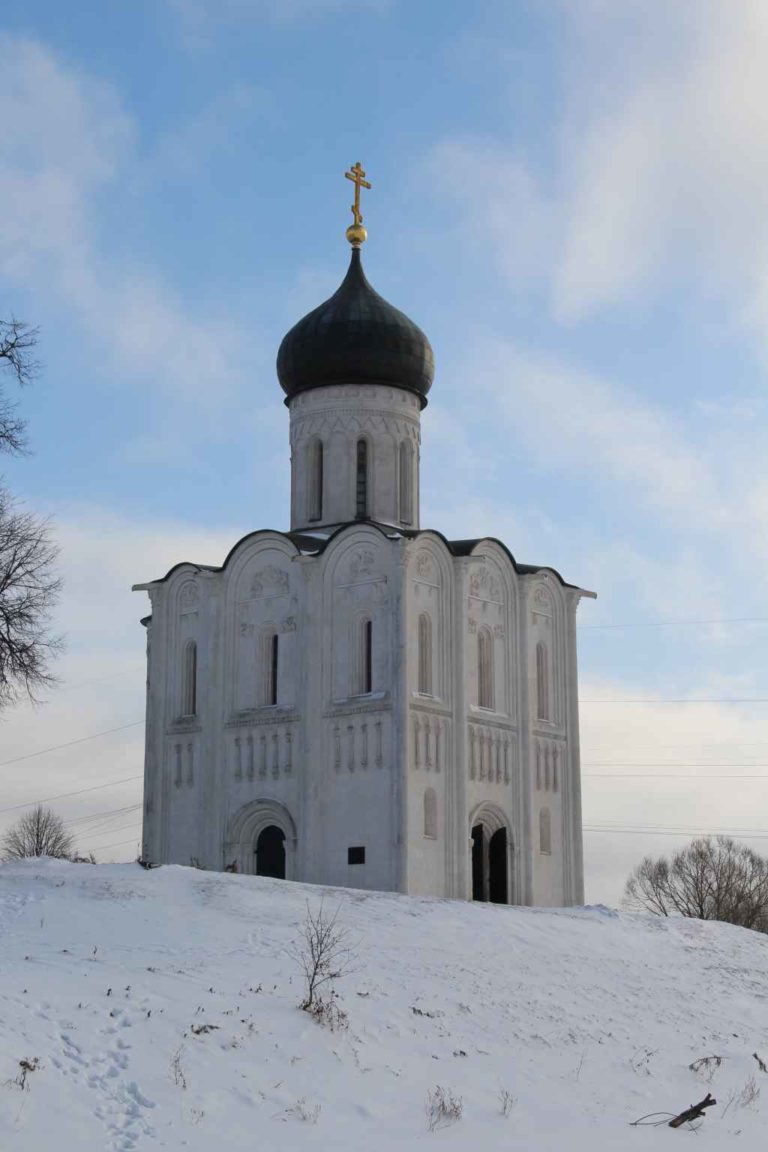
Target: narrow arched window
545,832
485,668
406,481
189,679
361,480
316,481
424,679
430,814
363,666
270,655
542,682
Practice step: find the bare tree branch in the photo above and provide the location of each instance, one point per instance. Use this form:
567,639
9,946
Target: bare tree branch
39,832
713,878
29,591
17,344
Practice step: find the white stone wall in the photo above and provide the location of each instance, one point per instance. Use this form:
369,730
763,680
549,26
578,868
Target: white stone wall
339,417
401,771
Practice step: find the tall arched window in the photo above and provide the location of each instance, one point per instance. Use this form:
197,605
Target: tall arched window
270,653
542,682
316,480
361,480
545,832
430,814
405,453
363,667
485,668
189,679
424,679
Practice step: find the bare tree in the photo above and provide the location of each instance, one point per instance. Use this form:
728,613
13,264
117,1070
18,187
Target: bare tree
17,344
713,878
324,954
29,587
39,832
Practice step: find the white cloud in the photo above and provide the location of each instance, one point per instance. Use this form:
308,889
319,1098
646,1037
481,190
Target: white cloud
103,669
661,174
506,209
644,767
574,419
673,166
199,17
66,140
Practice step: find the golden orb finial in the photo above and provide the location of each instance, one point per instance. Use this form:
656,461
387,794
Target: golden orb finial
356,234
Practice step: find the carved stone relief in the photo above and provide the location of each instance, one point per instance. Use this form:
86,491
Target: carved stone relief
269,581
425,566
483,585
189,596
361,564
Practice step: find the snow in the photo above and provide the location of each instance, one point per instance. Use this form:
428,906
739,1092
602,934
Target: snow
588,1017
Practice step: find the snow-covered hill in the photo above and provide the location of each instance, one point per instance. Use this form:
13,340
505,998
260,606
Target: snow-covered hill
587,1017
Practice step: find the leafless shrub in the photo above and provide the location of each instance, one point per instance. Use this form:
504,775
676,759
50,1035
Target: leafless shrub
706,1066
177,1068
641,1059
713,878
39,832
749,1094
327,1011
25,1067
307,1113
443,1108
506,1101
323,954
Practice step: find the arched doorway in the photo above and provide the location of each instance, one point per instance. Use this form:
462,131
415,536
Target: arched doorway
478,863
491,857
262,840
497,867
270,852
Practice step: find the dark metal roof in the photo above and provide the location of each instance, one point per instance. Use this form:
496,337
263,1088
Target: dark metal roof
356,337
315,544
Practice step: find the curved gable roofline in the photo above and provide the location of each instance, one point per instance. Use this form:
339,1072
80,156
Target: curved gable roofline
215,567
306,543
468,547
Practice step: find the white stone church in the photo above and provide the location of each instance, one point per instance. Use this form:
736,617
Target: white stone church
359,701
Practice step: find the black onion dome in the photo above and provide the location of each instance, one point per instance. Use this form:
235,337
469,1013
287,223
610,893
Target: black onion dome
356,337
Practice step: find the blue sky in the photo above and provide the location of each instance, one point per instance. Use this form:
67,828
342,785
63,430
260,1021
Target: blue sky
569,199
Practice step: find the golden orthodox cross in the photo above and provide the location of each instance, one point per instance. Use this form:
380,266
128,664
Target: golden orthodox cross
357,176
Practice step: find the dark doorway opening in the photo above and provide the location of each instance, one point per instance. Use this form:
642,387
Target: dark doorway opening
497,867
270,852
478,863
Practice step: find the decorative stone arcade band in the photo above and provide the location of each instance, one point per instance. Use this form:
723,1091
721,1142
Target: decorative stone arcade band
549,756
183,762
490,753
430,741
266,752
358,744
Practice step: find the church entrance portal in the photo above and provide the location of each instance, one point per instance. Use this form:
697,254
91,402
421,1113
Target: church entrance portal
270,852
489,865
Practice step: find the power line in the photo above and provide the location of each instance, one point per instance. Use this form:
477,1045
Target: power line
96,815
112,831
676,776
678,623
685,700
66,795
70,743
674,764
106,823
738,835
106,847
698,744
